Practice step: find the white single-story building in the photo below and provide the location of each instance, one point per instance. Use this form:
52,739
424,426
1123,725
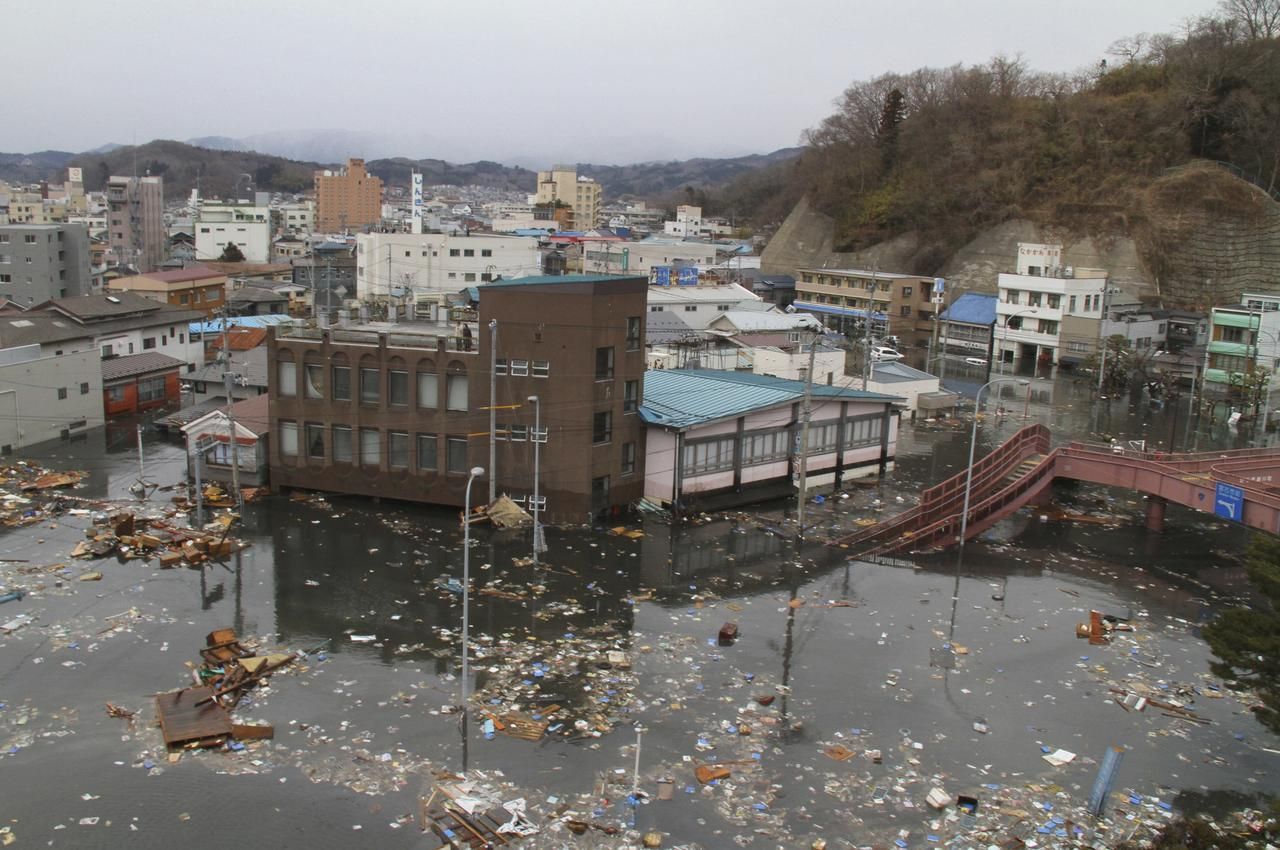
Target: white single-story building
209,443
922,392
736,436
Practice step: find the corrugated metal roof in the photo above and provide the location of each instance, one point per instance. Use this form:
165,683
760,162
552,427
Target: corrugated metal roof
972,308
138,364
683,398
243,321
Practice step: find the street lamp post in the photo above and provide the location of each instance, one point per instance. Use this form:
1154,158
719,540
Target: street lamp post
973,443
537,446
1004,337
466,604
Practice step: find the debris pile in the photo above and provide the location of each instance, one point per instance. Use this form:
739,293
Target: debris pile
200,716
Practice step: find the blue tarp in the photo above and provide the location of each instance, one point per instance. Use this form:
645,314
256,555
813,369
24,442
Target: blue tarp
972,308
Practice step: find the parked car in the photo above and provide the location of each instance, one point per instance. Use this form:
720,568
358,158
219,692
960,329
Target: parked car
884,354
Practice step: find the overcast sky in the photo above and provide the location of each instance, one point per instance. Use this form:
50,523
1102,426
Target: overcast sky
566,81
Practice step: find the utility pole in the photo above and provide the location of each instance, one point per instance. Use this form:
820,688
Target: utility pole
493,410
1102,337
804,435
228,380
538,544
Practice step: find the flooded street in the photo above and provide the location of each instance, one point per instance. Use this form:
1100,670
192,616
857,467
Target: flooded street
962,673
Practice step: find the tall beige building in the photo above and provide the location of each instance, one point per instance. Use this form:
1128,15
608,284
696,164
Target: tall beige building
581,194
135,221
347,199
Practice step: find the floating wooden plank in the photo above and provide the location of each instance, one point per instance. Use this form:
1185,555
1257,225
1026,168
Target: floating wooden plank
191,715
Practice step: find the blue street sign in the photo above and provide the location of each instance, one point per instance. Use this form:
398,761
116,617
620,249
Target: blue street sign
1228,502
687,276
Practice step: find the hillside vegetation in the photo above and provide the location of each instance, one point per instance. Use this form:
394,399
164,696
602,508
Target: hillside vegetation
947,153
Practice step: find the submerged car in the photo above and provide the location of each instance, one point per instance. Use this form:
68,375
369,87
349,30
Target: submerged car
884,354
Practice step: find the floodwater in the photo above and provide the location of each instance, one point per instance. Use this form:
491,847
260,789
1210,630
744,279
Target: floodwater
853,653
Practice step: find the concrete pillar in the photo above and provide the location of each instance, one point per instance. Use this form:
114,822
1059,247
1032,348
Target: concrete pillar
1155,513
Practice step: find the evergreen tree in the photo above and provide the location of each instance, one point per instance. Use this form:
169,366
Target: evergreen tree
231,254
891,115
1247,640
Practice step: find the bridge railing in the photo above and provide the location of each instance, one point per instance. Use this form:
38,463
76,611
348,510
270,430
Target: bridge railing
944,498
948,527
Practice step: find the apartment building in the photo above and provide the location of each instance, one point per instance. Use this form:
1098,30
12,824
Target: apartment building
439,262
298,218
401,410
580,195
1033,302
246,226
43,261
347,199
900,305
1242,338
44,394
135,221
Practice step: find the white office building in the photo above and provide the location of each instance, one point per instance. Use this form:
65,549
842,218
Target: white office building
245,225
439,262
1033,302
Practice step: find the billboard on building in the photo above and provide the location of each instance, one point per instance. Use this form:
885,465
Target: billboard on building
417,202
687,276
75,175
660,276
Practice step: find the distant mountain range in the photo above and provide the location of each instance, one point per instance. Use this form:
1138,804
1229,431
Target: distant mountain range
220,165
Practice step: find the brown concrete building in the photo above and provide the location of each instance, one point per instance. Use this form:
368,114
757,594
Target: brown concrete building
347,199
197,287
402,410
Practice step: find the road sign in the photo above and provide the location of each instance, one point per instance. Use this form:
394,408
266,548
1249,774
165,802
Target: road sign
1106,777
1228,502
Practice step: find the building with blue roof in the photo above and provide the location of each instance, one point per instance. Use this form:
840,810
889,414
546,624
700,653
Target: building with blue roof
966,326
737,436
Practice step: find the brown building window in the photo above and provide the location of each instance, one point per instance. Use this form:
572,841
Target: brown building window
541,368
456,455
368,386
628,458
630,396
342,383
286,378
428,449
313,376
633,333
341,444
289,439
428,389
602,427
520,368
398,450
370,448
315,440
604,363
456,392
398,388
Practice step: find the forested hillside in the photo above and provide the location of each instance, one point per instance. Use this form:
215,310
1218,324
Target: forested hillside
946,153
